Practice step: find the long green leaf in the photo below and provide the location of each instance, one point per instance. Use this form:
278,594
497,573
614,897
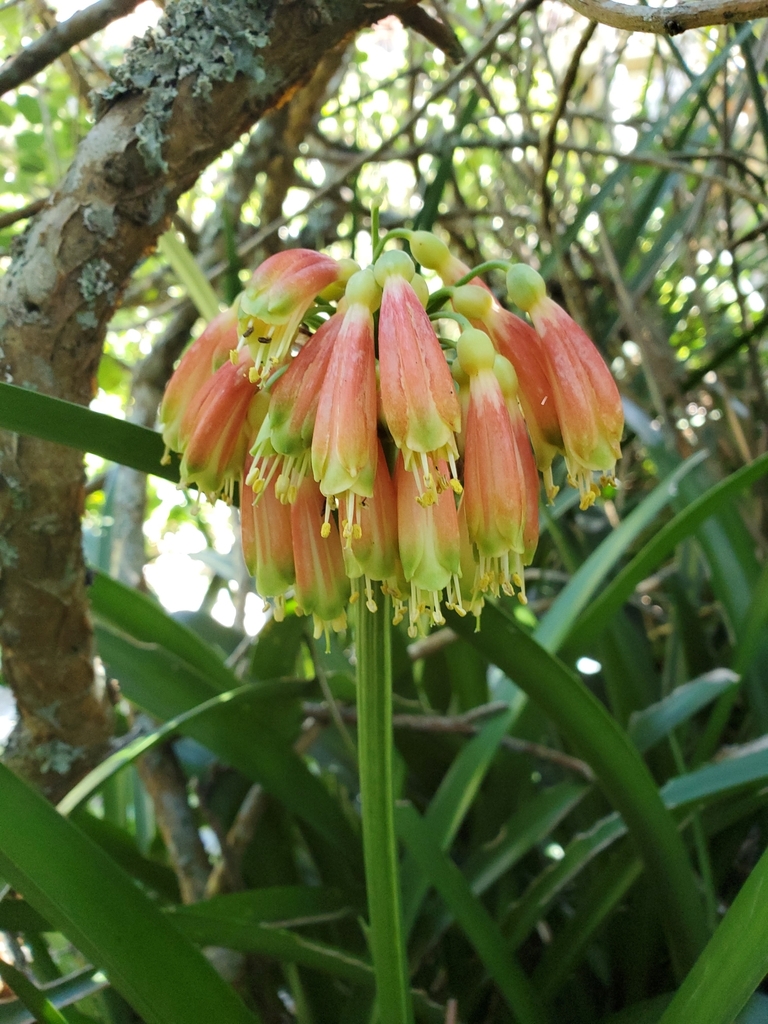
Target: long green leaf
189,274
571,601
648,726
60,993
683,793
52,419
71,882
166,687
234,922
652,554
734,962
108,768
139,616
30,995
450,804
479,927
620,772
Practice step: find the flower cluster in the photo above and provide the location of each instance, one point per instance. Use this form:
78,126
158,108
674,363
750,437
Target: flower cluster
366,448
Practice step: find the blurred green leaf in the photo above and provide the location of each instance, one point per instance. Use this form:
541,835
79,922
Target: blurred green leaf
160,973
189,274
52,419
475,921
734,962
648,726
61,993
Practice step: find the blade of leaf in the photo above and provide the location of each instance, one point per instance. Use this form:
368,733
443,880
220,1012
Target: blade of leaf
213,923
87,786
61,993
665,541
450,804
189,274
158,971
711,994
565,610
479,927
648,726
164,686
618,767
30,995
52,419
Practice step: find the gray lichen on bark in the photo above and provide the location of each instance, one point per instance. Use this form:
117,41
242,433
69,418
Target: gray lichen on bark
211,43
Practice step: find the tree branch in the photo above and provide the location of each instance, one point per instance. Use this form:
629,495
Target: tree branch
58,40
671,21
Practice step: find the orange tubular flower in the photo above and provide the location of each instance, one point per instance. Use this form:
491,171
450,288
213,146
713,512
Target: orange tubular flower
518,342
374,553
430,550
586,397
344,443
221,424
198,364
322,588
267,548
496,475
287,431
276,300
417,394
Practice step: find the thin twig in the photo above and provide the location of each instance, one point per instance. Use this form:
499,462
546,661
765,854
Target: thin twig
670,21
548,141
13,216
58,40
461,725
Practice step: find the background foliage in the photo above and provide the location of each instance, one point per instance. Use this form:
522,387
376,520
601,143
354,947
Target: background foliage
631,170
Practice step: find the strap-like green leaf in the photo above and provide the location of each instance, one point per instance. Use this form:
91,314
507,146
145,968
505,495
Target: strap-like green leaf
70,881
52,419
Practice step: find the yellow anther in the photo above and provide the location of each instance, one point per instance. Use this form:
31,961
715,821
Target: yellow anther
357,532
325,531
234,356
456,487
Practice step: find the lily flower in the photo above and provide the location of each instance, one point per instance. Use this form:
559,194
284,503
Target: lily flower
220,425
518,342
276,300
428,537
344,443
498,470
265,527
322,588
586,397
197,365
417,394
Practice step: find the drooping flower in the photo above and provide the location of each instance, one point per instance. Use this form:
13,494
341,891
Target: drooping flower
428,538
220,424
275,301
287,431
518,342
344,442
586,397
197,365
322,587
374,553
498,465
265,527
417,393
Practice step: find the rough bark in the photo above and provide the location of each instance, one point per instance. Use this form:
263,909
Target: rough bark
181,101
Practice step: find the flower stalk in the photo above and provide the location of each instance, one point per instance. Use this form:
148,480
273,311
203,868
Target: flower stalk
374,737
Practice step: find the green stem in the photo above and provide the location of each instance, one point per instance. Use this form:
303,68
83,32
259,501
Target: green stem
374,710
378,245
